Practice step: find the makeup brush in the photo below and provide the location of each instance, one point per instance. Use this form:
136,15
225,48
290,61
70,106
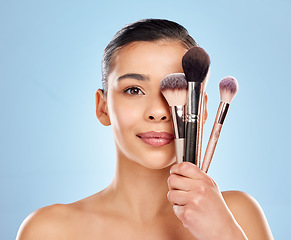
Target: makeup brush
195,65
228,88
174,89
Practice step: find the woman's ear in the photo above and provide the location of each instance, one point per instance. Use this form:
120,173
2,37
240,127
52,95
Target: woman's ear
205,113
101,108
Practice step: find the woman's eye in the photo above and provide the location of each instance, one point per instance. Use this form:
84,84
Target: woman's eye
133,91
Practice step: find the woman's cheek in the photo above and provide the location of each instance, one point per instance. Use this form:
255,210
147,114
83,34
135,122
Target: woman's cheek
125,116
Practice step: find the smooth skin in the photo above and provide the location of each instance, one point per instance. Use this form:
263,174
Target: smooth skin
150,197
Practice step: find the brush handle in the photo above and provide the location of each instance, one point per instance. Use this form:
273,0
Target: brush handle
199,143
214,136
180,149
215,133
191,142
179,131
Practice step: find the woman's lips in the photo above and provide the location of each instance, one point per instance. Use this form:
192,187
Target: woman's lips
156,139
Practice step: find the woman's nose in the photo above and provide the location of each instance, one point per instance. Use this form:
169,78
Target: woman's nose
158,109
157,117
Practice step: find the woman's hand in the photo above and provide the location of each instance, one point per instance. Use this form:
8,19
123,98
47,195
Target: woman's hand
198,203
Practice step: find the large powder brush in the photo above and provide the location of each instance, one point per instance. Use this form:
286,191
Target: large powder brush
228,88
174,89
196,66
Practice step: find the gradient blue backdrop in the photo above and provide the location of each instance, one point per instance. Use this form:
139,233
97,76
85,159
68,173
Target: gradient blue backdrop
53,149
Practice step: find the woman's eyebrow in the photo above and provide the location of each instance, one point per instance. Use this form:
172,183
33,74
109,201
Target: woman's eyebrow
136,76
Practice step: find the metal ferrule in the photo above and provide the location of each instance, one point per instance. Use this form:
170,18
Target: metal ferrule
194,90
178,121
222,112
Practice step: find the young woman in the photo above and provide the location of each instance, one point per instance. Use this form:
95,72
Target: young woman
150,197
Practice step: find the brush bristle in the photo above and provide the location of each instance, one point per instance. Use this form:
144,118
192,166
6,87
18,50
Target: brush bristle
195,64
174,89
228,88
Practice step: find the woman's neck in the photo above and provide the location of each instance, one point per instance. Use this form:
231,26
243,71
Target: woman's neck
140,191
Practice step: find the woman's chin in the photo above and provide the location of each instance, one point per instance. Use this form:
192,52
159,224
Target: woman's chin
158,163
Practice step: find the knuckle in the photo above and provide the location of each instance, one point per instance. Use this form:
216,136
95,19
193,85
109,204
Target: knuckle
174,167
171,196
171,179
201,189
209,182
184,166
196,202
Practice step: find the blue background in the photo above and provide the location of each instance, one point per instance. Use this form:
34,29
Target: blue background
53,149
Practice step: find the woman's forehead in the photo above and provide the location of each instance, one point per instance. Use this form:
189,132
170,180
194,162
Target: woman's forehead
140,55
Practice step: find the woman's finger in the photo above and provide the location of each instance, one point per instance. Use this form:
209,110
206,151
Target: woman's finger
180,182
177,197
187,169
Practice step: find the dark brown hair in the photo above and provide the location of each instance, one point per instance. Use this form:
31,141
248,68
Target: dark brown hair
144,30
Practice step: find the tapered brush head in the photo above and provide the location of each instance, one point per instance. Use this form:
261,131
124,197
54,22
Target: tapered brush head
196,64
174,89
228,88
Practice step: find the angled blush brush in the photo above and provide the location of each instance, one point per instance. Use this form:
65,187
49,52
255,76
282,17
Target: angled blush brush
195,65
174,89
228,88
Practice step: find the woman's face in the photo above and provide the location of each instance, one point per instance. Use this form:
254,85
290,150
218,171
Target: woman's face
139,114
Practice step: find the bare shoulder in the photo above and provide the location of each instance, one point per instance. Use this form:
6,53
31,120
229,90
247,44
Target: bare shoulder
63,221
45,223
249,214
